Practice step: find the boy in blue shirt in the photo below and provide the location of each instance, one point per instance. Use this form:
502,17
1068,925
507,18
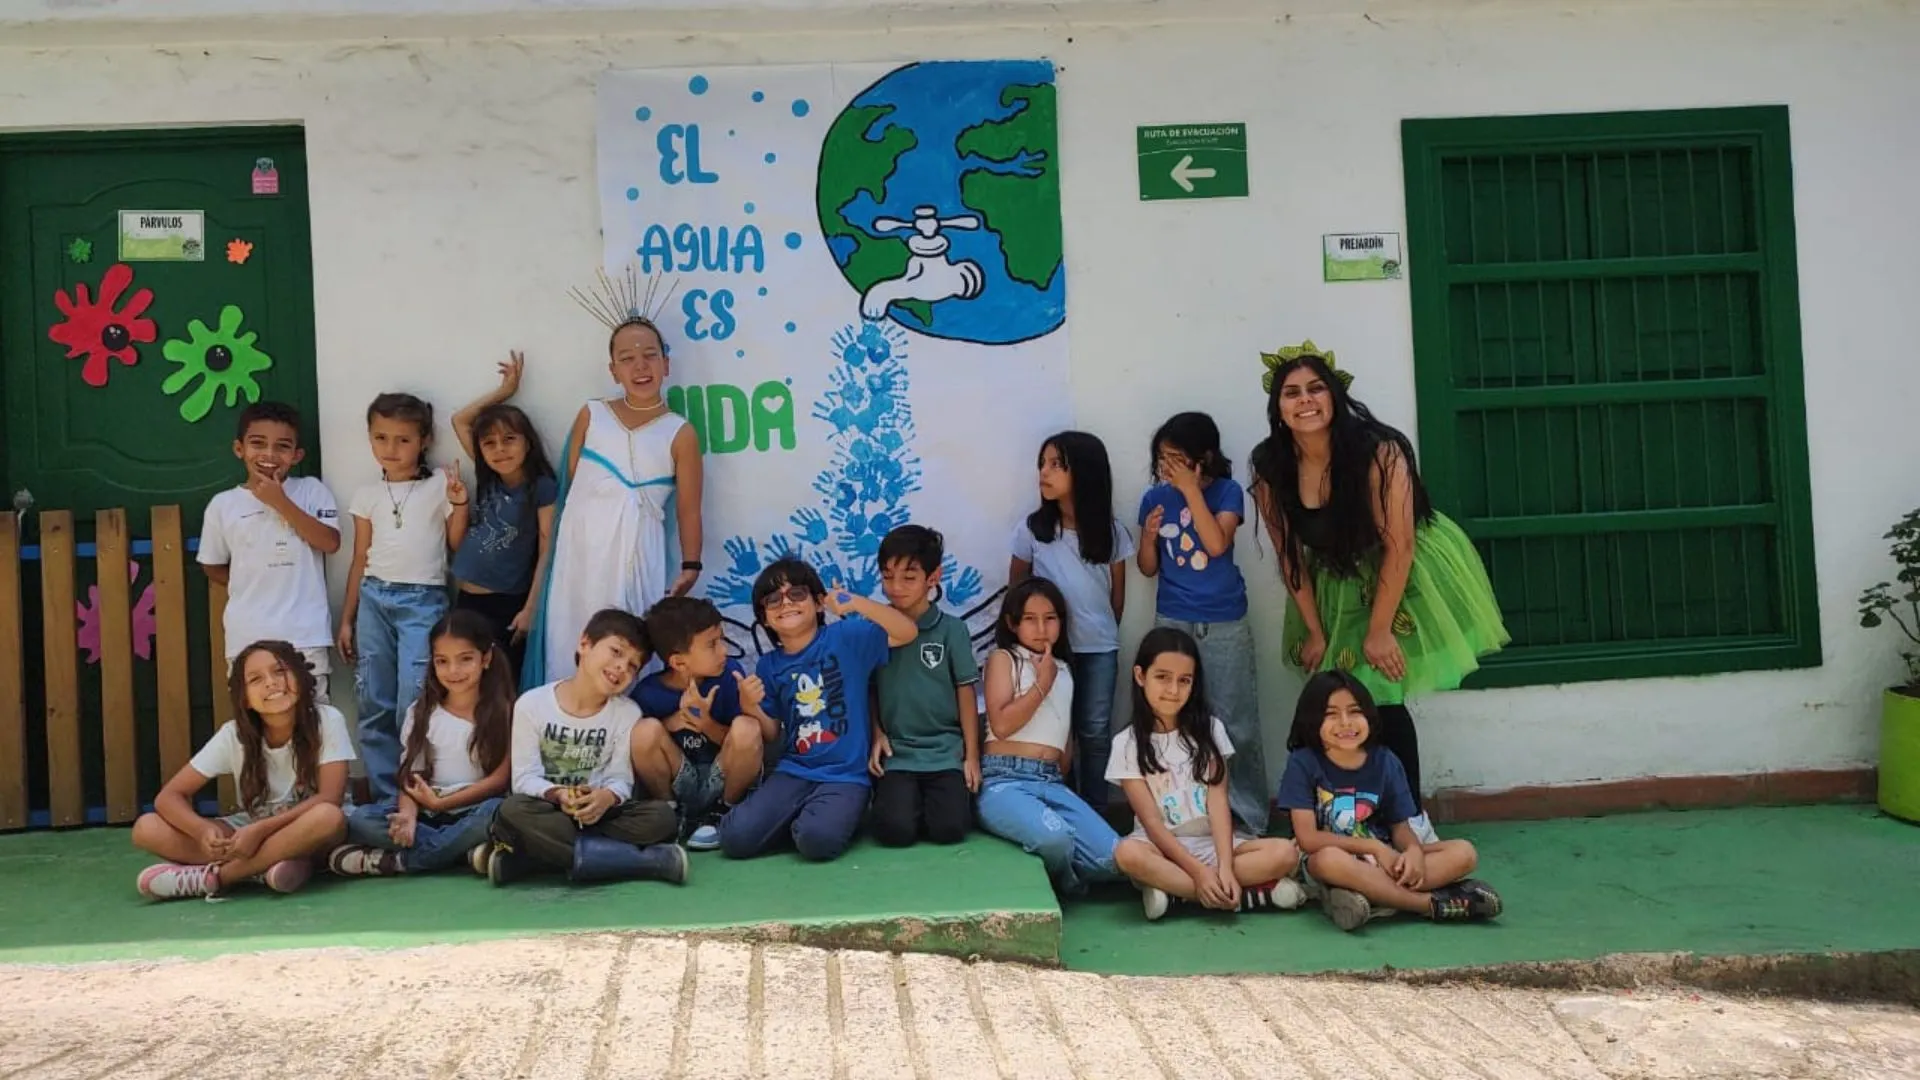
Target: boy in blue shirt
816,681
701,744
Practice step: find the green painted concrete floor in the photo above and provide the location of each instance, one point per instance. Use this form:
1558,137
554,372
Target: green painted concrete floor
70,897
1749,881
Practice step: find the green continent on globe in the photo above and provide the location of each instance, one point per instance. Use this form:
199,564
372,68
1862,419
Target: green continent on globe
1023,209
852,163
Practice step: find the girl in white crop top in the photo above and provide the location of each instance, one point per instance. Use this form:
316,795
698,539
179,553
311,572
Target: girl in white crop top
1023,796
1037,677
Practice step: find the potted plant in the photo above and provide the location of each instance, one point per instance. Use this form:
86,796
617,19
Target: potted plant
1899,602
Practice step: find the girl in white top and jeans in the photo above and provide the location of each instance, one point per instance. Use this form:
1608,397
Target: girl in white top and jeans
1023,796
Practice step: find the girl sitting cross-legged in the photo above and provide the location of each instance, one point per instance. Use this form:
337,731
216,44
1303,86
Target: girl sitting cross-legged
1347,796
287,753
1172,764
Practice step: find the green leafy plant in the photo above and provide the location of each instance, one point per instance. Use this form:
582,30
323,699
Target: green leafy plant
1898,601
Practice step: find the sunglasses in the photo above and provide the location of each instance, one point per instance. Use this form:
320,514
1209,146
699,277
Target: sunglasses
786,594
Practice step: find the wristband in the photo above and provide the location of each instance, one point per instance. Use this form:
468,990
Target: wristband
692,564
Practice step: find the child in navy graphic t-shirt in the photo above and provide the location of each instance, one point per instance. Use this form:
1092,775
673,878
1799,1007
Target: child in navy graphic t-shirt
816,683
1349,802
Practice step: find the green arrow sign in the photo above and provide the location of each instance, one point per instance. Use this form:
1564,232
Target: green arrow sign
1192,161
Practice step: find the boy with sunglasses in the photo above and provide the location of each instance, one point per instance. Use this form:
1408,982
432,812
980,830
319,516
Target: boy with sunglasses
816,685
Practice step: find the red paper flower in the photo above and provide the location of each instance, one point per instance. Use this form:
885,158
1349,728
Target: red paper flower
94,330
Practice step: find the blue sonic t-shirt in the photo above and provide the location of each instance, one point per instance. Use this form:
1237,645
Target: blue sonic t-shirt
1366,802
1195,586
819,696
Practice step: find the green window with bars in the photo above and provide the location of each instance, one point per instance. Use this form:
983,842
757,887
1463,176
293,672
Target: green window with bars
1607,355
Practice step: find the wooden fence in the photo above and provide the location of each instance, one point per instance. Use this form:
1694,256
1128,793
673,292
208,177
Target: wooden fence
59,664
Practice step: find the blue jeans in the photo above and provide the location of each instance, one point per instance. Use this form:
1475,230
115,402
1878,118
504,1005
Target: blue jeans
1093,681
1025,801
439,840
819,817
1226,657
391,645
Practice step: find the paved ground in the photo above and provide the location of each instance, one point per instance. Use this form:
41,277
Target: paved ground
606,1005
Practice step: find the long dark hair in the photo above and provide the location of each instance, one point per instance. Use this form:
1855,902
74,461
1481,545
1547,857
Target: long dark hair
408,408
1360,444
1084,457
1006,633
485,481
492,714
1195,720
1311,710
252,729
1195,435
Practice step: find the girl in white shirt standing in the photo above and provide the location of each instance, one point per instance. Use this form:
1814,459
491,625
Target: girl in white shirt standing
397,588
453,762
1024,795
1073,541
1172,763
288,755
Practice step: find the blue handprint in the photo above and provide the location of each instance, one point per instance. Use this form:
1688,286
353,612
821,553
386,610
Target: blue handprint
812,526
863,489
962,584
746,561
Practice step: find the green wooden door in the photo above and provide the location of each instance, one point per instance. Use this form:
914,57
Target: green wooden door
88,432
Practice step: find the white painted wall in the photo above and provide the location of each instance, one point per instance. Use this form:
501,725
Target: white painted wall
453,205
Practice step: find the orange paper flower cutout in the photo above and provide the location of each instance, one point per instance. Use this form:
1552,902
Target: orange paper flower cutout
239,250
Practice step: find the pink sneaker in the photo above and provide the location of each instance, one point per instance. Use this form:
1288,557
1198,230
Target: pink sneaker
288,875
171,881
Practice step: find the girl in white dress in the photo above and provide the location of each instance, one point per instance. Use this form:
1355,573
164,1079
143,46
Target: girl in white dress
632,473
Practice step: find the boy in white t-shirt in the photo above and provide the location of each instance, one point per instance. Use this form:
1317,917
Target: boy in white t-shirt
571,806
265,541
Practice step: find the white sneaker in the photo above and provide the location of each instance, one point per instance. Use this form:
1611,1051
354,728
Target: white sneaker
171,881
1423,829
1154,902
1288,895
704,838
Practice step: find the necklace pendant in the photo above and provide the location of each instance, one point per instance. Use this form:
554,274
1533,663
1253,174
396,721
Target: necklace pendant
396,517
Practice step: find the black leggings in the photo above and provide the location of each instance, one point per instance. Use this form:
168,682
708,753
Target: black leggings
1397,734
498,609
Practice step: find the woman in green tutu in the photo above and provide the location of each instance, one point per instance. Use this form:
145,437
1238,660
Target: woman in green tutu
1383,587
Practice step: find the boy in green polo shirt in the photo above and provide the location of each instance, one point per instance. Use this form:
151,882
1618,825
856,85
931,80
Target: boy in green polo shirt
926,735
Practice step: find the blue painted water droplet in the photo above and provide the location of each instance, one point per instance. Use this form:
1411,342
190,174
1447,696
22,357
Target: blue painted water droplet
748,208
739,353
763,290
643,113
791,328
801,108
793,241
759,95
770,158
729,133
633,194
697,84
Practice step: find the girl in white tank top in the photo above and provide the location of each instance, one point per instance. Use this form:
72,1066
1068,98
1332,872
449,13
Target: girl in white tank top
1023,797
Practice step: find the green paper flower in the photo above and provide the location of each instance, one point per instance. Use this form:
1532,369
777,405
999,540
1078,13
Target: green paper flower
80,250
1274,361
222,360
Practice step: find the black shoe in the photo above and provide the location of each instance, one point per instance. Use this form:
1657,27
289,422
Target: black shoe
1482,901
506,865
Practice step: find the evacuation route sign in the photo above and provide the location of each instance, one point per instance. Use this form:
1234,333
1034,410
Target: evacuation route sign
1192,161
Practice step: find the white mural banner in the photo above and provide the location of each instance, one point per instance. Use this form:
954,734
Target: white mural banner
868,323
